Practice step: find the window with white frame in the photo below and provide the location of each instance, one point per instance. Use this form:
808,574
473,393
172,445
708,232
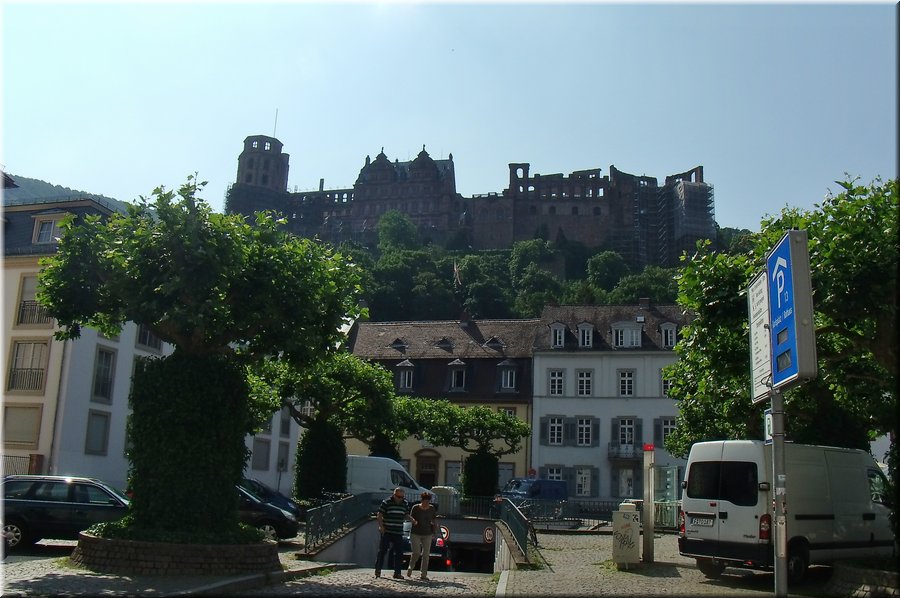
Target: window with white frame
666,386
28,365
307,409
626,335
555,431
30,311
557,382
585,335
626,431
22,425
585,383
554,473
147,339
583,481
261,449
557,336
458,379
405,379
46,230
668,335
510,411
96,439
104,370
626,383
508,378
584,429
668,426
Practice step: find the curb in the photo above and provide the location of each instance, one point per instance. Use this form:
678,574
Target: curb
258,580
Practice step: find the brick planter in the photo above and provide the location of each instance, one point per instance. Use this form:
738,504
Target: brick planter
132,557
857,582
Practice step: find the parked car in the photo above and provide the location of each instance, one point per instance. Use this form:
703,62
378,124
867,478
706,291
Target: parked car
275,522
56,507
272,496
439,556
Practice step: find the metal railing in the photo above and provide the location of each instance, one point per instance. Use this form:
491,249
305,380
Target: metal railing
32,312
26,379
16,464
517,523
332,519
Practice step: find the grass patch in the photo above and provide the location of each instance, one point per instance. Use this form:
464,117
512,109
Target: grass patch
67,563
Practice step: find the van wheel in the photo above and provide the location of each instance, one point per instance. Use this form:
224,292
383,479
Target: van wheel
711,568
797,562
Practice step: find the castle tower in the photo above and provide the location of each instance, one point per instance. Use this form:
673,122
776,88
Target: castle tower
263,164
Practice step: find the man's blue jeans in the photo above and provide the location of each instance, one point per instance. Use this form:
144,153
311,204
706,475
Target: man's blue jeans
395,542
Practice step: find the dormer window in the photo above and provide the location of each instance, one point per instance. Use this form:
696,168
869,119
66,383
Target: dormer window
557,336
457,375
405,375
507,371
495,343
626,335
46,230
399,344
585,335
444,344
668,334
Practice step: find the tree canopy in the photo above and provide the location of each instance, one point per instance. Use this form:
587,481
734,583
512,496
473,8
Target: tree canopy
226,295
853,263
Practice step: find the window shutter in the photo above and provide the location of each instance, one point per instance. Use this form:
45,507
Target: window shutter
595,481
614,437
544,426
595,433
657,432
638,433
570,432
614,481
542,472
568,474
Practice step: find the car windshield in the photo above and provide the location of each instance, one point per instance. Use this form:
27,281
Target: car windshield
518,486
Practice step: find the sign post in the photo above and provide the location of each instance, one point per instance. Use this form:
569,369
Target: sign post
783,354
648,518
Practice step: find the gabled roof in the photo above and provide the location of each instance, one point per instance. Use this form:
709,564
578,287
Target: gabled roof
604,316
372,340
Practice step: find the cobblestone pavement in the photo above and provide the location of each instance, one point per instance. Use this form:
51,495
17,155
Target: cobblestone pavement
574,565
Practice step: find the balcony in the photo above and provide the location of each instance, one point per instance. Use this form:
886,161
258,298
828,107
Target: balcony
32,312
26,379
625,451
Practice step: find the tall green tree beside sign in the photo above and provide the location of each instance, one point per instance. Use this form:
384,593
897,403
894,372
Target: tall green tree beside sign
853,263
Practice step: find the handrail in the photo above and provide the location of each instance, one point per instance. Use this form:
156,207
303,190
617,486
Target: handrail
331,519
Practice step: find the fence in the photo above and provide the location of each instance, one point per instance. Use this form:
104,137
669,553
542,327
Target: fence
21,464
331,519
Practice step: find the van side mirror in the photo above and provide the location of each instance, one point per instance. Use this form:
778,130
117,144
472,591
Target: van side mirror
764,486
683,484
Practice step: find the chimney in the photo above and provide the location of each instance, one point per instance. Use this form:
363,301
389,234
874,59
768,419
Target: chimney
321,184
644,302
464,319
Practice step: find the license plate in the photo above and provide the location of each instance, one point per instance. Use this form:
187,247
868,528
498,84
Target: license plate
702,521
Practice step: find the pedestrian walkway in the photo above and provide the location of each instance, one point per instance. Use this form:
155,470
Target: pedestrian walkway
570,564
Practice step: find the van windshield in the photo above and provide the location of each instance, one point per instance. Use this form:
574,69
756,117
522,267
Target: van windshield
399,478
732,481
518,486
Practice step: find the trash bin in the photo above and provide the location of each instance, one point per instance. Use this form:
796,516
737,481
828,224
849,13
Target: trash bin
447,498
626,534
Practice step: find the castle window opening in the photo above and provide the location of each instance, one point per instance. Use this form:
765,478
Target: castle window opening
268,146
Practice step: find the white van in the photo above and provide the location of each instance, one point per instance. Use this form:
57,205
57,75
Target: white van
380,475
837,506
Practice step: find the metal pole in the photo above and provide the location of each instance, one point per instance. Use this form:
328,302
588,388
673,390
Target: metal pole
648,517
780,485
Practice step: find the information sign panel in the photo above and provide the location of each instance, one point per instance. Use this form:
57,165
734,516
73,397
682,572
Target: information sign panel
760,339
790,311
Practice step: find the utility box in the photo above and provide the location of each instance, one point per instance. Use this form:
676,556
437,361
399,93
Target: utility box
447,498
626,533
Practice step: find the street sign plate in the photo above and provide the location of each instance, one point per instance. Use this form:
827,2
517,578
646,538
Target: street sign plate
760,339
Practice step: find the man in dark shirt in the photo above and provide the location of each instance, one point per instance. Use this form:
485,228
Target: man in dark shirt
391,515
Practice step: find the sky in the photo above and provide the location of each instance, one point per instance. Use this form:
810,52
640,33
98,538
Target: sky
775,101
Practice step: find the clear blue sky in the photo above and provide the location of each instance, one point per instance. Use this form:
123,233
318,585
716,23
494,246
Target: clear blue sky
775,101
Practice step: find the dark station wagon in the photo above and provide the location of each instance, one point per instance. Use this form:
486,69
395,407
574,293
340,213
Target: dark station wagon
56,507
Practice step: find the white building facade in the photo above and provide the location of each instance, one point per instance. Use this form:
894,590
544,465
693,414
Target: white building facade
600,397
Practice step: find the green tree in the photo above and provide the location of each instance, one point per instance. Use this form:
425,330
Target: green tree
396,231
524,253
225,294
659,284
337,396
853,261
606,269
535,288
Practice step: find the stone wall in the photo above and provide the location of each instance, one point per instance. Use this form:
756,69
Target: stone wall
131,557
856,582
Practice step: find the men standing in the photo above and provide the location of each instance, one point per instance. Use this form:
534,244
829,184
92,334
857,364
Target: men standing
391,515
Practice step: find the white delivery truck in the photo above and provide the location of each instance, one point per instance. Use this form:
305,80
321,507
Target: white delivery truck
380,475
837,506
